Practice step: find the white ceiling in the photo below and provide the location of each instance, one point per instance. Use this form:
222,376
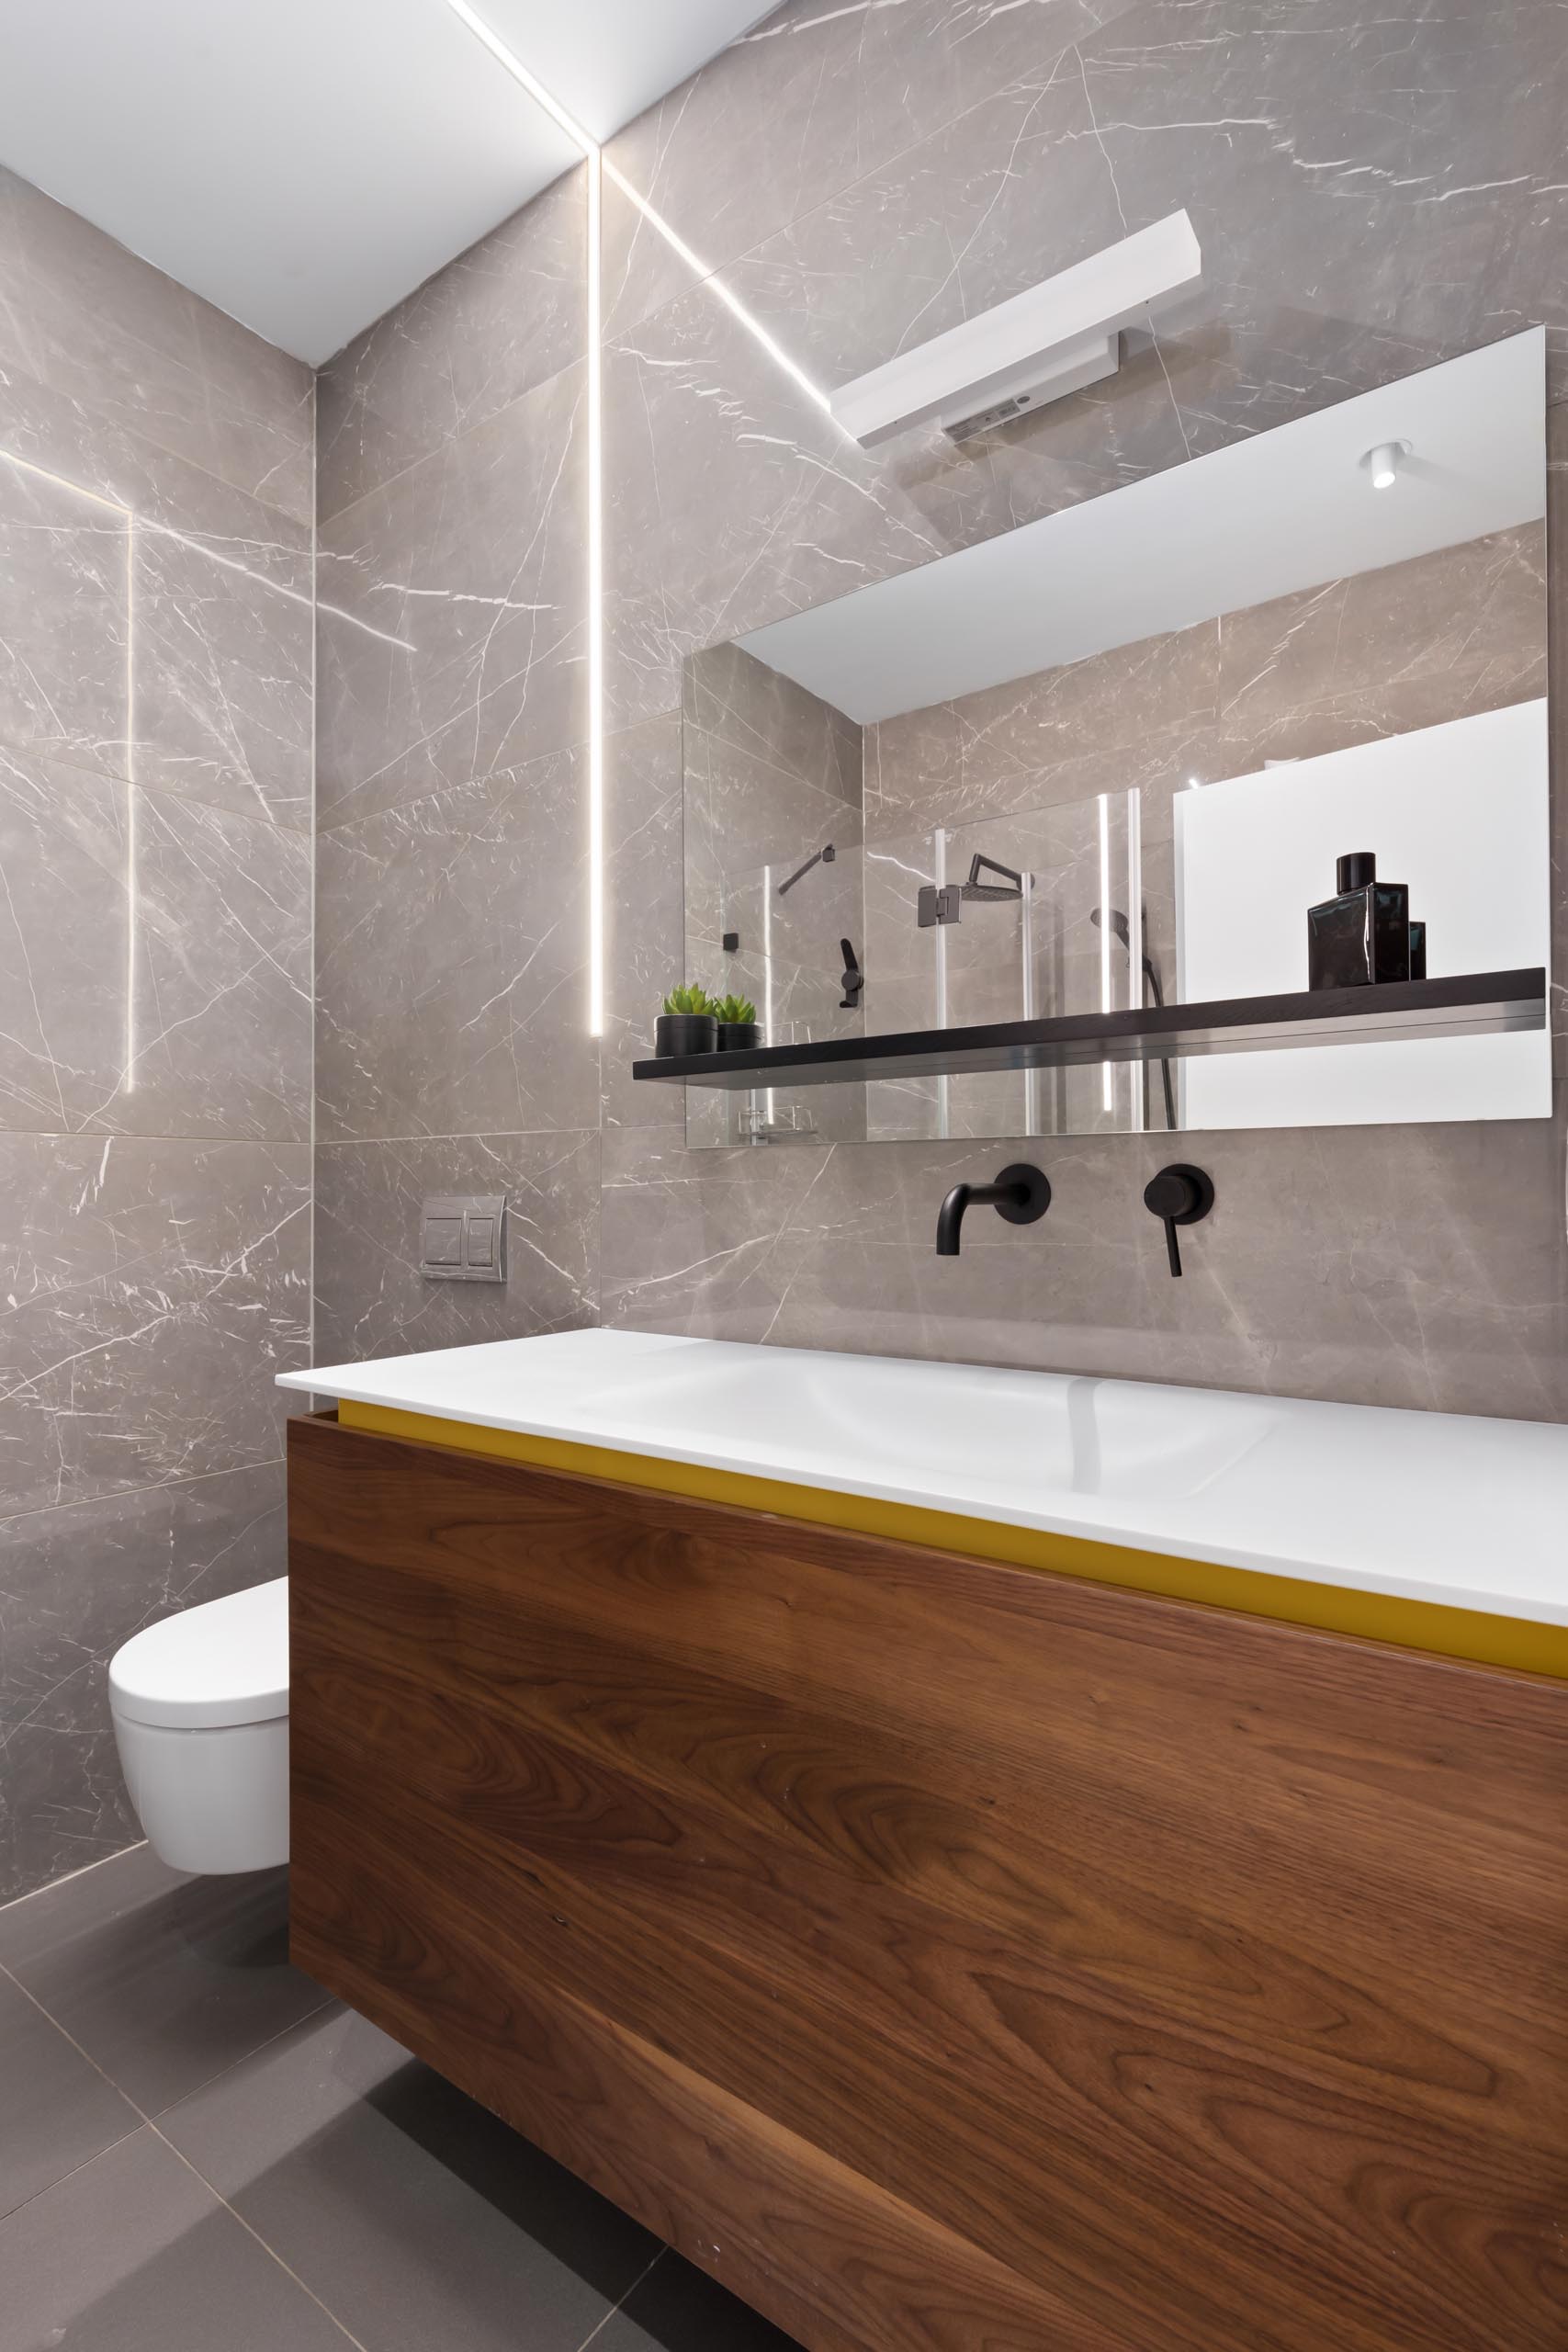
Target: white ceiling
305,163
1285,511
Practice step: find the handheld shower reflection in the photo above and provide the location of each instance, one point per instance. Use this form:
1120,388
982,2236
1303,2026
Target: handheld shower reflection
1111,918
824,856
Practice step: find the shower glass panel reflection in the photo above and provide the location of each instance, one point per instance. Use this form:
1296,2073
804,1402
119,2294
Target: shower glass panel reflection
1006,919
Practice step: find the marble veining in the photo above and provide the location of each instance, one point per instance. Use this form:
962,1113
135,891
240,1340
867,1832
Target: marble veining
150,1288
452,977
371,1298
452,638
156,596
503,316
218,1041
101,326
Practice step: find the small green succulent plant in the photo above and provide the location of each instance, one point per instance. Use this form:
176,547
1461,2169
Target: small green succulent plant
691,997
735,1009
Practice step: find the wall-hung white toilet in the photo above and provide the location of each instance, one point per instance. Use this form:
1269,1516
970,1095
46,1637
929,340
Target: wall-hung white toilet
200,1707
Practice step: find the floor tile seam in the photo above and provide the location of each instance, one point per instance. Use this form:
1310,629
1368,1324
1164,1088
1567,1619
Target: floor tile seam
10,1976
208,2082
252,2232
119,2139
150,2123
600,2324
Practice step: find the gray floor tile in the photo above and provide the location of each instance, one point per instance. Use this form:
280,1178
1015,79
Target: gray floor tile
132,2253
164,1980
56,2111
416,2216
679,2309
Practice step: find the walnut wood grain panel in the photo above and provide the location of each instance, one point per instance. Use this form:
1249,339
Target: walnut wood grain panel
1020,1962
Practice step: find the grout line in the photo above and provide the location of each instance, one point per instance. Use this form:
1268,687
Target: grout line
130,2132
149,2123
307,2016
600,2325
126,1136
121,1494
286,2267
120,1851
458,1135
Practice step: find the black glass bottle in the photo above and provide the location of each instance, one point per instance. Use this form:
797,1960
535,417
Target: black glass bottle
1363,934
1417,950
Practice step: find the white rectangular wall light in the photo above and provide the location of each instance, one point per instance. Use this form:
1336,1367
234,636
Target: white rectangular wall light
1049,341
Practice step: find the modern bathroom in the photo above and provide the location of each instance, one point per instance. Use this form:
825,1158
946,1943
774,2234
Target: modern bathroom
784,1408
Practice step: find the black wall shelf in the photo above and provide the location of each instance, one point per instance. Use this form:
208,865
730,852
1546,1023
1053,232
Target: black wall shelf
1472,1004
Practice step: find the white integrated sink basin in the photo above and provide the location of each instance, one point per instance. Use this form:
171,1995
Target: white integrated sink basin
1086,1437
1436,1507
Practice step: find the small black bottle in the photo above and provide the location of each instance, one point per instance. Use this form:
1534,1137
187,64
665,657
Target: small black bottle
1362,935
1417,950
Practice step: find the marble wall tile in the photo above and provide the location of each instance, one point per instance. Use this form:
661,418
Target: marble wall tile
1043,737
452,980
371,1299
66,436
814,99
1408,646
155,622
757,711
157,475
98,324
730,498
495,322
152,1288
1462,631
1373,192
1312,1277
451,640
63,854
78,1581
772,774
220,973
223,682
223,977
65,601
644,936
709,1242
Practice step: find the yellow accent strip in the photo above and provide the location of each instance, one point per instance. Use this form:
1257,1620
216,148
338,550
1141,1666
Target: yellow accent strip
1375,1617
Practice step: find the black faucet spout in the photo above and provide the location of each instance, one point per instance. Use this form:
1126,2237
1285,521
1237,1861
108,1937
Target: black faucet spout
949,1216
1021,1193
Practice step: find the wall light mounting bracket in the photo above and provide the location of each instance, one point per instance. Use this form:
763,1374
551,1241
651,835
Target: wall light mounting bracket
1039,346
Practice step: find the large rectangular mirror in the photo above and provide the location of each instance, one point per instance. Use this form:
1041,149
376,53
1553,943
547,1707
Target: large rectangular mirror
1111,760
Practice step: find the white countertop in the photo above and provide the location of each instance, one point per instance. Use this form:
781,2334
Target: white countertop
1436,1506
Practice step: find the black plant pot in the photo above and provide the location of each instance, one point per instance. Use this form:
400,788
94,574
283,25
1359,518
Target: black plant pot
739,1037
685,1032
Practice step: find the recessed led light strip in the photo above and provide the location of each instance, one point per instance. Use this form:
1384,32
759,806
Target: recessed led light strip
589,148
598,165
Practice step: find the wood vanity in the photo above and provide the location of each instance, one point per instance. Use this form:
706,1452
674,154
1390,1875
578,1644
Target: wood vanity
947,1955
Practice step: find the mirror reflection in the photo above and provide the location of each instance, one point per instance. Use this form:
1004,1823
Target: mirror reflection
1140,752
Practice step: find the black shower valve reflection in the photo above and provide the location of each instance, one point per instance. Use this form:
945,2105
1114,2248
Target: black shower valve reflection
1178,1195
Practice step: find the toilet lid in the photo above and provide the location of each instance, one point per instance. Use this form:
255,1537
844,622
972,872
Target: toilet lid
223,1662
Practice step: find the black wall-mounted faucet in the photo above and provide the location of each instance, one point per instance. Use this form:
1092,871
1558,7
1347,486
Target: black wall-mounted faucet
1021,1193
853,979
1178,1196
